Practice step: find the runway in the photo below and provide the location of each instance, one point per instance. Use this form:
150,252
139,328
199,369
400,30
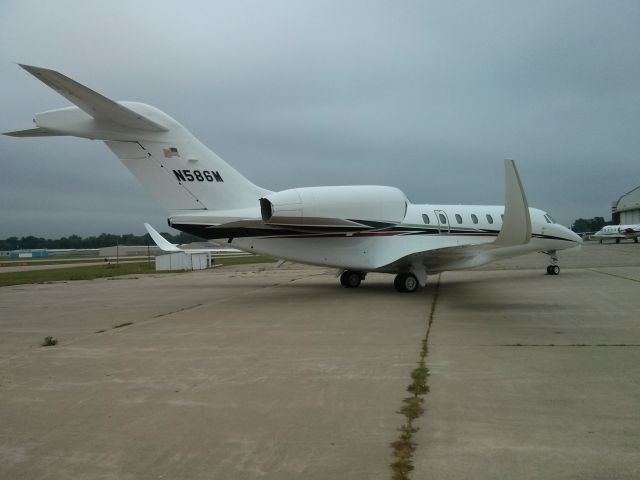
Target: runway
256,372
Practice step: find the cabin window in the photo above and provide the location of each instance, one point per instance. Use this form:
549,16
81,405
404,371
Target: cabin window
443,219
474,218
425,219
458,218
489,218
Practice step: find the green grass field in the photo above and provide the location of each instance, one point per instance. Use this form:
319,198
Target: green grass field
104,271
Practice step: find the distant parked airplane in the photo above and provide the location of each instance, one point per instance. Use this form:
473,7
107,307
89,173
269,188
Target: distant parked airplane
618,232
356,229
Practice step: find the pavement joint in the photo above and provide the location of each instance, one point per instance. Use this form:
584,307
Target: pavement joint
404,447
614,275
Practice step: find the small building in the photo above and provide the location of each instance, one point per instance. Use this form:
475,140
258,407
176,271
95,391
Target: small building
626,210
181,261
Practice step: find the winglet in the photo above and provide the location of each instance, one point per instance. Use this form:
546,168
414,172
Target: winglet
516,226
161,241
92,103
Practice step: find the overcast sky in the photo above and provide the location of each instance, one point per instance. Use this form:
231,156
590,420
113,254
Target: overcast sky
426,96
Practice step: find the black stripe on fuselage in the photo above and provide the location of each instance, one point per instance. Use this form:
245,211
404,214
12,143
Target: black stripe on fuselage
212,232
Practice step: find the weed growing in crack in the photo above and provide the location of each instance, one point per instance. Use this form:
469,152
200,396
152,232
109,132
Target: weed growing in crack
49,341
412,407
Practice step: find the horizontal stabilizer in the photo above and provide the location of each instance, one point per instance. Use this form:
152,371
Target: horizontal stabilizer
34,132
92,103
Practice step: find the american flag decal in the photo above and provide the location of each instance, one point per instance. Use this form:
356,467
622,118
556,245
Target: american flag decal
170,152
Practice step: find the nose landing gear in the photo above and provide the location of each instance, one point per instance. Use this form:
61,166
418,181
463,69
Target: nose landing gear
553,268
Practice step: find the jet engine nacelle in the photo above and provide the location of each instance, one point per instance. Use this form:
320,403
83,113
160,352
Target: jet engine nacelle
344,207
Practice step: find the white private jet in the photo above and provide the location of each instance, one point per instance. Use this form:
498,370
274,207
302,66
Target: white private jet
356,229
618,232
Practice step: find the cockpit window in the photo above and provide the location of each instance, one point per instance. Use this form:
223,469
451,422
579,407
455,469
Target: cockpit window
548,218
425,218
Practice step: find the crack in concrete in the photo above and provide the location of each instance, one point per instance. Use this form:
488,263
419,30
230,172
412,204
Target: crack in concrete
404,447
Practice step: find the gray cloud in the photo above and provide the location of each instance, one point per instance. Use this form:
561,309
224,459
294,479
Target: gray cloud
425,96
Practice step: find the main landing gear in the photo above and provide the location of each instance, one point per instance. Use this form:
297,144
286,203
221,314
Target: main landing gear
406,282
553,268
351,279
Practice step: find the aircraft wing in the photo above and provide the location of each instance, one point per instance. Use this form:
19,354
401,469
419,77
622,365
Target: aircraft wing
513,237
459,257
164,244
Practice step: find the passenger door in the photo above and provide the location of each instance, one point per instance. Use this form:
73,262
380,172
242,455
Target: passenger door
443,221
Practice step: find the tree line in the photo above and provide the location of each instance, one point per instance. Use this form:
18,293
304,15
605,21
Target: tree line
100,241
583,225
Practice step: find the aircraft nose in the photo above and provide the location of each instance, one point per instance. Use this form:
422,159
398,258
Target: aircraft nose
573,236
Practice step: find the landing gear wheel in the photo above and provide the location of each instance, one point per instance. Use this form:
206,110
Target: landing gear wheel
406,282
350,279
553,269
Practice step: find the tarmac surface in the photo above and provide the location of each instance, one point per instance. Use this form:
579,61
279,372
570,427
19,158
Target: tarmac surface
254,372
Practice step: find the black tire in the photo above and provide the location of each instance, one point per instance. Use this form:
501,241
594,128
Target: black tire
549,270
397,282
554,269
350,279
406,282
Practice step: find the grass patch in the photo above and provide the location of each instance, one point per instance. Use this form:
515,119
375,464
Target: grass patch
74,273
30,262
244,260
107,270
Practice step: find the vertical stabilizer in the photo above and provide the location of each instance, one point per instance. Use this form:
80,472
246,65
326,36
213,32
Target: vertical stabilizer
179,171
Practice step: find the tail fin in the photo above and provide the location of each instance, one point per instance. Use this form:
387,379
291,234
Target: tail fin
180,172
